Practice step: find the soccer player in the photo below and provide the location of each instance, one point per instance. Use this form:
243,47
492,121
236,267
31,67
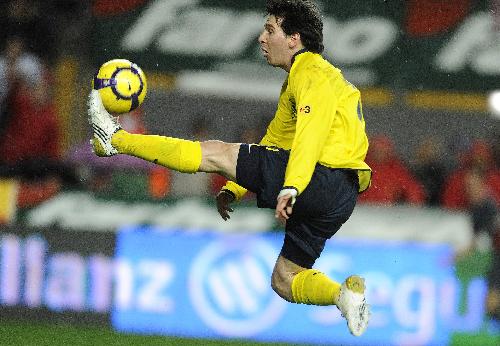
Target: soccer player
309,166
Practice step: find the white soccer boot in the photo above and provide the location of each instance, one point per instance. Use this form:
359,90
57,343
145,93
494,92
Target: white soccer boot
104,126
352,304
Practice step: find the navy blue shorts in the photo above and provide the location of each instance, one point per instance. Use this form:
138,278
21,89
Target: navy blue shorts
320,210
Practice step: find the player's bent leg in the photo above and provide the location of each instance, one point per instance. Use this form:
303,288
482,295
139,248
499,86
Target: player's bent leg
300,285
352,304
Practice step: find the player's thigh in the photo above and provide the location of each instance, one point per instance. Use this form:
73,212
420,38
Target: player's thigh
219,157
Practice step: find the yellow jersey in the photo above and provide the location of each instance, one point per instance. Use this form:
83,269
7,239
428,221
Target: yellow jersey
320,120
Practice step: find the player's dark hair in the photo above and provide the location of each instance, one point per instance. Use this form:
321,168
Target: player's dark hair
300,16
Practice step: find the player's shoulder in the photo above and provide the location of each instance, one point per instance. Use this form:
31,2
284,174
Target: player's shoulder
313,67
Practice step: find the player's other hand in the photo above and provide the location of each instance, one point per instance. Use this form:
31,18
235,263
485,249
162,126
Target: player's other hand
286,200
224,199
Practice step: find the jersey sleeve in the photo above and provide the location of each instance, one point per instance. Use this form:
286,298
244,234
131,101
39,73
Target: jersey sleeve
237,190
316,105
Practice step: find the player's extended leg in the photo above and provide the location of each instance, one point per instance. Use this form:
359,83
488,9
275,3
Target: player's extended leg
300,285
174,153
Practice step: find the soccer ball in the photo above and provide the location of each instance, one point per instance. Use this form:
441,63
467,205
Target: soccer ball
121,84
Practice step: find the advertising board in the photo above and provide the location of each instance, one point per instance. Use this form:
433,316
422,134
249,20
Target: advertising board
218,286
172,281
53,273
375,43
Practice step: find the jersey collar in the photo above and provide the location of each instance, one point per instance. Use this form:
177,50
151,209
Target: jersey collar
303,50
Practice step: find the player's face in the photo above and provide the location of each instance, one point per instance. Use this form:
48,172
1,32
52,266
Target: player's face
274,44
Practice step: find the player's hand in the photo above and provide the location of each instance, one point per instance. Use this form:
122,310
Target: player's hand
286,200
224,199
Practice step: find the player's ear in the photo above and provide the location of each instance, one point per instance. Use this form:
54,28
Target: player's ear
294,40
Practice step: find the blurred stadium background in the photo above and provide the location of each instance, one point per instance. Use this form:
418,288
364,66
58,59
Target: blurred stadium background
116,251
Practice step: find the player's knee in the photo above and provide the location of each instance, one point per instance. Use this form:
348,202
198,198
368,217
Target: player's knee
281,286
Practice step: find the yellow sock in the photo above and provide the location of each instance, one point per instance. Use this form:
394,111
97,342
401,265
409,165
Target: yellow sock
314,288
177,154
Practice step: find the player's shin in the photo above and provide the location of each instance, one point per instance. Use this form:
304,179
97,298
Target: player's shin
314,288
174,153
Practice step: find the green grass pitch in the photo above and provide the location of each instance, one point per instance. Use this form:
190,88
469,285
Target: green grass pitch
26,333
39,334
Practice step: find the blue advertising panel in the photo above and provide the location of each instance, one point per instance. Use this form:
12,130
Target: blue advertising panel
215,286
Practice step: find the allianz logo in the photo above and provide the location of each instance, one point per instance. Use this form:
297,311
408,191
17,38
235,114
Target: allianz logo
230,286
